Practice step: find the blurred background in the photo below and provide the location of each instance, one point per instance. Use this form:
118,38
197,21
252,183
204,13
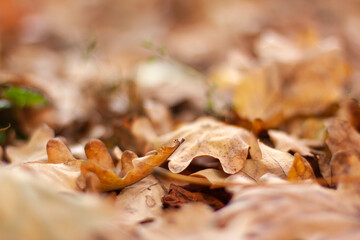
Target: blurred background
91,68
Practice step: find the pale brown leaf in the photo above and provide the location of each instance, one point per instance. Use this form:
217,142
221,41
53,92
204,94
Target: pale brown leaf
208,137
34,149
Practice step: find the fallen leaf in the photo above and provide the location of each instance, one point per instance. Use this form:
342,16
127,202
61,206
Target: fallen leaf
126,162
179,196
34,149
208,137
277,90
273,161
97,153
140,202
31,208
193,220
345,166
108,180
350,111
341,136
214,176
159,115
264,212
58,152
60,176
324,165
289,212
300,170
286,143
158,85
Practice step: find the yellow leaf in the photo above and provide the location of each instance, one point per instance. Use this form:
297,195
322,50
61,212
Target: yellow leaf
300,170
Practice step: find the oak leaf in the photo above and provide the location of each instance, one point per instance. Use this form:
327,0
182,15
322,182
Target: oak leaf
286,143
99,163
214,176
300,170
341,136
273,161
34,208
274,211
284,83
208,137
140,202
58,152
34,149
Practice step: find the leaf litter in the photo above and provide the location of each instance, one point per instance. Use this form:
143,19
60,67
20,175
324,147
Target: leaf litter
231,122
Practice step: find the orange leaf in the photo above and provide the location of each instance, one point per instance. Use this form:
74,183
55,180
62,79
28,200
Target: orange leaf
141,167
300,170
58,152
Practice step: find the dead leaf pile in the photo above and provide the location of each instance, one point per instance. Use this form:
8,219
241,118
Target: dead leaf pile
179,119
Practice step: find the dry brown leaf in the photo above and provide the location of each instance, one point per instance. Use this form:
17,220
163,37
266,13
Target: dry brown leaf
33,208
273,161
58,152
60,170
290,212
345,166
159,85
350,111
264,212
341,136
159,115
344,143
140,202
192,221
97,153
277,90
34,149
126,162
300,170
108,180
178,196
214,176
60,176
286,143
207,137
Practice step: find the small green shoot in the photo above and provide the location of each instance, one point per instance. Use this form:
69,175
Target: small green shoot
21,97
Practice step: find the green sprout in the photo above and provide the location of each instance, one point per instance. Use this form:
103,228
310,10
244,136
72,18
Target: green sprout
21,97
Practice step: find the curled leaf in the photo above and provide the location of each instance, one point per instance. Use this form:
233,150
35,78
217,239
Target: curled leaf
58,152
97,152
273,161
300,170
214,176
208,137
286,143
109,180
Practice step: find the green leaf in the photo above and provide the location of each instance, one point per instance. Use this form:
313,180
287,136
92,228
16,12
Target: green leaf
21,97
